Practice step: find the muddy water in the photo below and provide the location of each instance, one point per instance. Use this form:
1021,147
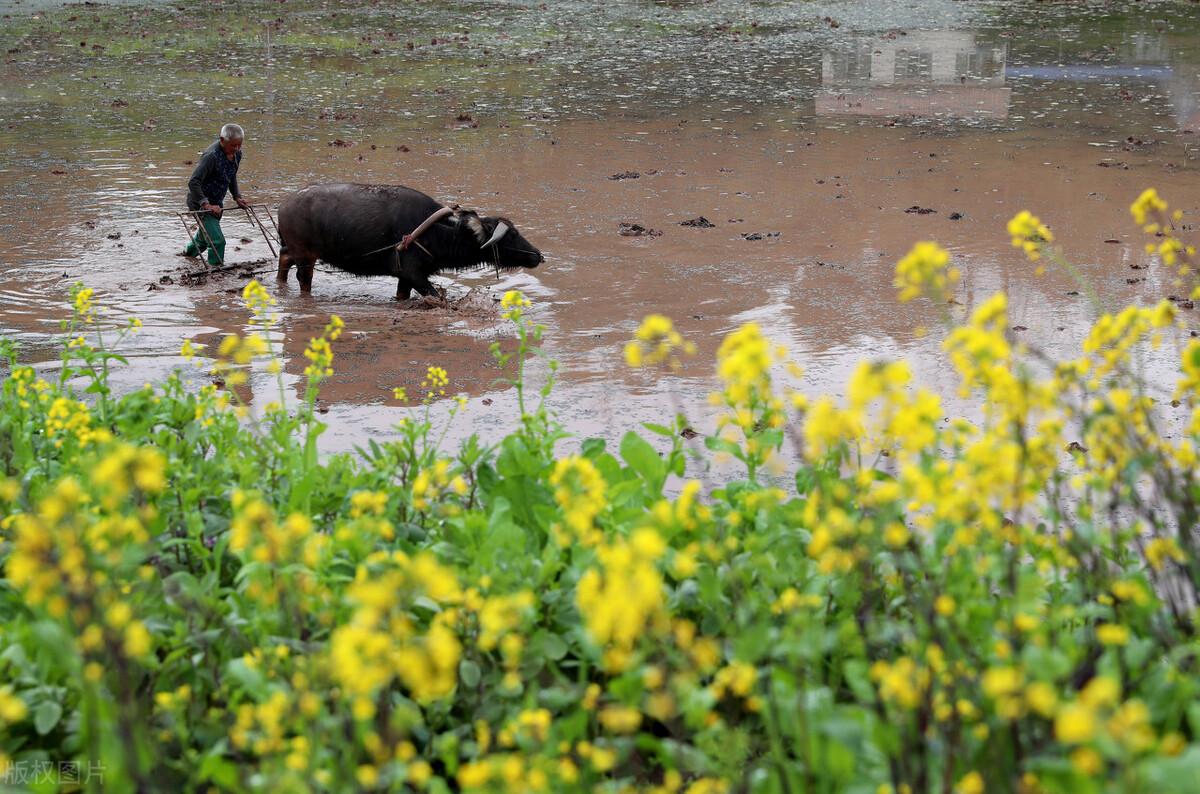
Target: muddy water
809,135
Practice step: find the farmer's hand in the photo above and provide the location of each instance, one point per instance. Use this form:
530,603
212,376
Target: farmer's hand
241,202
213,208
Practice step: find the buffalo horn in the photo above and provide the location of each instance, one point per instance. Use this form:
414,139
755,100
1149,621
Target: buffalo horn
501,229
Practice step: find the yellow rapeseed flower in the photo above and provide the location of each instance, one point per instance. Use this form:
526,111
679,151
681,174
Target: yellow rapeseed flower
970,783
925,268
1075,723
620,719
657,342
1147,207
12,708
1042,698
1087,761
1112,634
1029,234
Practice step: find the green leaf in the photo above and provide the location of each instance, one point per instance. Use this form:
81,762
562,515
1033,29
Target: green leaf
553,647
661,430
469,673
181,589
591,447
14,655
515,459
772,438
216,769
643,458
859,681
250,678
47,716
1138,651
558,698
752,644
1173,775
722,445
1193,715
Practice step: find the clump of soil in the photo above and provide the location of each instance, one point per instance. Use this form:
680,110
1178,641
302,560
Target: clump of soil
637,230
698,223
920,210
475,303
626,175
199,275
1182,302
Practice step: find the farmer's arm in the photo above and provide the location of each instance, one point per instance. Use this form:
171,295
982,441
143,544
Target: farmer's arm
196,195
237,194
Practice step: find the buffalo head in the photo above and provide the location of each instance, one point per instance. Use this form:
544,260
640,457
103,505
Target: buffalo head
500,243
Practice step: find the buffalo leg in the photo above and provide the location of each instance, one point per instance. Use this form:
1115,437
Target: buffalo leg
304,274
403,288
285,266
424,287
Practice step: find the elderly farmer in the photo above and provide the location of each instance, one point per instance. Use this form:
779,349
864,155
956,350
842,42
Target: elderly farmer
215,174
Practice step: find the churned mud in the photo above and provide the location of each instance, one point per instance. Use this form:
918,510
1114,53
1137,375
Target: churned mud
753,164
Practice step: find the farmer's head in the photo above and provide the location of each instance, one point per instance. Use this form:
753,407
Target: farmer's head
231,138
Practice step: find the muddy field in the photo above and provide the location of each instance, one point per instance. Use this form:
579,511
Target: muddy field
818,141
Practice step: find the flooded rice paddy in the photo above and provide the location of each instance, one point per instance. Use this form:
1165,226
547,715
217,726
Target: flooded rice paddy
820,140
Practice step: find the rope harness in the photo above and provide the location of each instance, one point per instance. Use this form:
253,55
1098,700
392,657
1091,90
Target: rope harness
411,238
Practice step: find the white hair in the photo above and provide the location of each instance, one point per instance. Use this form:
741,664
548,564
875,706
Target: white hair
232,132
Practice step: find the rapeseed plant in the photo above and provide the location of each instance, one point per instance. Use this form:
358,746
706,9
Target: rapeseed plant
917,606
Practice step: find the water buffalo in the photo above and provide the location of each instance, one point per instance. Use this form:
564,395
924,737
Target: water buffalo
390,230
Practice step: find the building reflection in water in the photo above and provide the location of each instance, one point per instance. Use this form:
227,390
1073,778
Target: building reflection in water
940,73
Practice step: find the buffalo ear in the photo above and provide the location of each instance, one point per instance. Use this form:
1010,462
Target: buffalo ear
472,222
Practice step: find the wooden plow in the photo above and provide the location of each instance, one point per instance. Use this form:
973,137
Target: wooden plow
254,214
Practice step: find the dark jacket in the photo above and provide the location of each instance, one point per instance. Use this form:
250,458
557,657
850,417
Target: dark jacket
214,175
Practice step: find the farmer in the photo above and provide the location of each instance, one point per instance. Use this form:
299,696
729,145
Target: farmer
215,173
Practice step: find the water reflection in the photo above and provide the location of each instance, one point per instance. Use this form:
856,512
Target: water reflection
922,73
